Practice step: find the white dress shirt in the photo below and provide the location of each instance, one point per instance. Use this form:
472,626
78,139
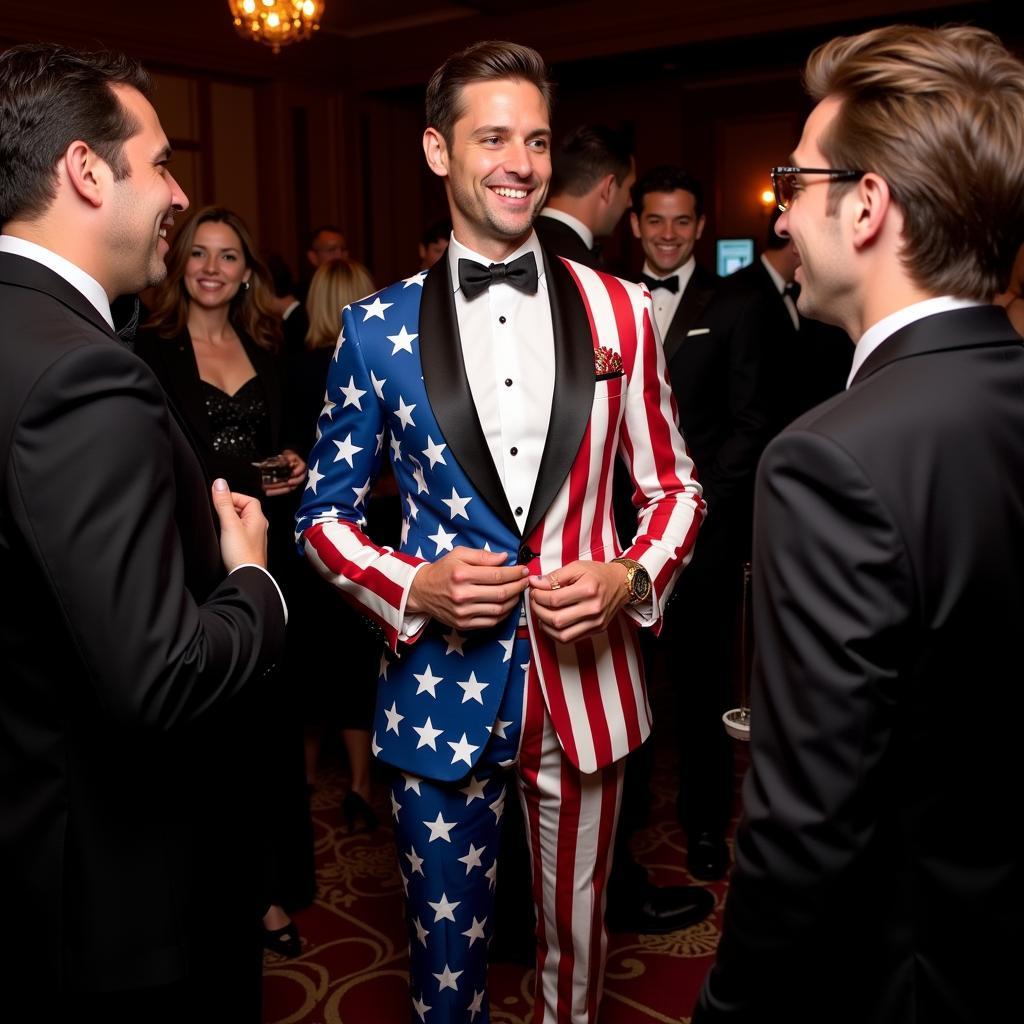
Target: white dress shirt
889,325
508,346
575,223
665,302
75,276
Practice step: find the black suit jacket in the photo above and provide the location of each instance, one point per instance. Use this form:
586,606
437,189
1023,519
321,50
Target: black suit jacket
717,350
560,239
806,366
878,861
124,651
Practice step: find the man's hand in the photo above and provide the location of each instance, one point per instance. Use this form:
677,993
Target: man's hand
468,589
297,477
578,600
243,528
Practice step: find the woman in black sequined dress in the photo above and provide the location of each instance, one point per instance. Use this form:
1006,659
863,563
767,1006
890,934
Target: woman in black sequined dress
213,343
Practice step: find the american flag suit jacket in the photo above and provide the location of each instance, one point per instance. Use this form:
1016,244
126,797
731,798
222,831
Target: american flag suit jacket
397,388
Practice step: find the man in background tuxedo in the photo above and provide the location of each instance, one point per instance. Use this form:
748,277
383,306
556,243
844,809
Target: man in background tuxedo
878,860
592,172
125,646
810,360
717,350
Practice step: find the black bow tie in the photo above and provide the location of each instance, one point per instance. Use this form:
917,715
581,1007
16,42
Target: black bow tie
668,283
475,278
792,290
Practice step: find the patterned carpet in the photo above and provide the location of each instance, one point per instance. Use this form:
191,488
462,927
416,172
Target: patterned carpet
353,968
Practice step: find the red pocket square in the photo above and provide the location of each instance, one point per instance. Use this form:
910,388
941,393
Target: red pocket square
606,362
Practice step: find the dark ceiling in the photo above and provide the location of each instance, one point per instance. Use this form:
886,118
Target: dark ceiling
383,44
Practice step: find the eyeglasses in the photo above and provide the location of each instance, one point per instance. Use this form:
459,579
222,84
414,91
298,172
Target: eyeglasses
785,184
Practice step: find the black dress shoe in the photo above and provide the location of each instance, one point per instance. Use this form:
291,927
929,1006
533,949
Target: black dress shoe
707,857
660,909
355,808
283,941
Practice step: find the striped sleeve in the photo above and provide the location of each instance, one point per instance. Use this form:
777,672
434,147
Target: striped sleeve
666,493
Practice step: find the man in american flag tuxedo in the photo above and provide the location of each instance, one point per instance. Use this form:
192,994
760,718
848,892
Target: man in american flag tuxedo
500,385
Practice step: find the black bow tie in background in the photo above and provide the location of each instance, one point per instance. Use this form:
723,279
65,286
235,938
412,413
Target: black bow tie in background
668,283
792,290
475,278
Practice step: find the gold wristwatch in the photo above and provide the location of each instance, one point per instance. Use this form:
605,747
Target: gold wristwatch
638,582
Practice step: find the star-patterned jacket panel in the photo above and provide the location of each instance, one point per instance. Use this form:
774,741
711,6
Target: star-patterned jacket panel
440,691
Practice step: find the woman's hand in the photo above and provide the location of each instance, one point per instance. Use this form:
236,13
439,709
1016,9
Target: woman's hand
297,478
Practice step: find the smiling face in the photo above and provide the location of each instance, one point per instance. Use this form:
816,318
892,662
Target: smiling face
498,166
143,203
668,228
215,268
826,270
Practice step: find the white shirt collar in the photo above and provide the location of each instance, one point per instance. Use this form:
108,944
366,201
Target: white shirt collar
684,273
75,276
457,251
778,280
889,325
575,223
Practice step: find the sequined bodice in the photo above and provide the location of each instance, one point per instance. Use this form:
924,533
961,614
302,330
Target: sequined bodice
239,423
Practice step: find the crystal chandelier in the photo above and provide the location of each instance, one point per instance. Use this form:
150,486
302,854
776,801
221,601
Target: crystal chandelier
276,23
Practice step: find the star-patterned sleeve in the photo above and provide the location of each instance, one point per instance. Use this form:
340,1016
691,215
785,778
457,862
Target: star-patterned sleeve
351,436
667,496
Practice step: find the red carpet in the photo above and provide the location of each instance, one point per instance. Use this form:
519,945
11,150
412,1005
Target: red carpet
353,969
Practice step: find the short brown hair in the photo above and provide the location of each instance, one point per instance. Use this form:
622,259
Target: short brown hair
335,285
50,96
489,61
250,313
939,115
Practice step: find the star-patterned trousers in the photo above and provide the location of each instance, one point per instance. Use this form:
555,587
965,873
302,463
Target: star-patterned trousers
448,836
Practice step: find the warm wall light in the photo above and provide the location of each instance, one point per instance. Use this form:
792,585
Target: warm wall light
767,198
276,23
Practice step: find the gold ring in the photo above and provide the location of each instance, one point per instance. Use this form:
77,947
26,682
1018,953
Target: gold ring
554,581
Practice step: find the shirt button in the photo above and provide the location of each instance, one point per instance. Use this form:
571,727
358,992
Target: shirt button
501,319
514,451
508,382
519,510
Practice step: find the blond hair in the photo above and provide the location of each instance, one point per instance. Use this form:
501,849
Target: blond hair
939,115
336,284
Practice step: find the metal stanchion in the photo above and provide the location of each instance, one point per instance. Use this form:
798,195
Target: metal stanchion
737,721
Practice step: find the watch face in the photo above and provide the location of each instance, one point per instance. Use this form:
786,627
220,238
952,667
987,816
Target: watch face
641,584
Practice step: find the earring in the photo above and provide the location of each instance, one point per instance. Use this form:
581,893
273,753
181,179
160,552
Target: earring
245,285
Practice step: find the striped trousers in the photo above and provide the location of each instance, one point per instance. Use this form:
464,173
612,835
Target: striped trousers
448,837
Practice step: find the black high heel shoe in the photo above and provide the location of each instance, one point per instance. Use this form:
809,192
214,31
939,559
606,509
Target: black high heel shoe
283,941
354,807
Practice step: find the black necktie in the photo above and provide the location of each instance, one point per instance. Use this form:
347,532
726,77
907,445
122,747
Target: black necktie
792,290
668,283
475,278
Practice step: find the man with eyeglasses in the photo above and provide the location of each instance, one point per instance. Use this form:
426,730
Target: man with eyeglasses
877,863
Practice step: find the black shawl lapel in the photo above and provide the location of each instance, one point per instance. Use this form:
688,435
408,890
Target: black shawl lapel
573,397
695,300
976,326
27,273
447,387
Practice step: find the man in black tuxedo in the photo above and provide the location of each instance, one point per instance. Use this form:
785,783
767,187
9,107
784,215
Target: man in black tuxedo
718,347
125,646
878,860
810,360
592,172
